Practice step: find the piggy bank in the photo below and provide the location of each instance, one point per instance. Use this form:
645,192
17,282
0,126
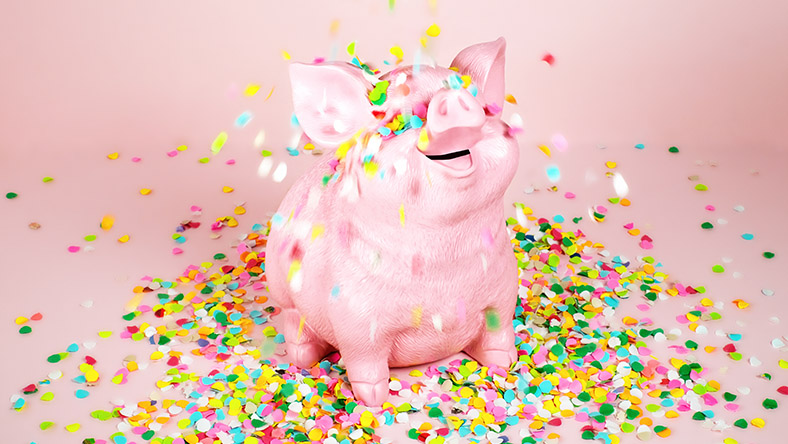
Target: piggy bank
393,248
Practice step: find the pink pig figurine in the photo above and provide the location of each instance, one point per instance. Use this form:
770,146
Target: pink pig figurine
393,249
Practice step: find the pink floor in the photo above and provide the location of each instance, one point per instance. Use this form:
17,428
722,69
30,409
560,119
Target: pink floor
84,81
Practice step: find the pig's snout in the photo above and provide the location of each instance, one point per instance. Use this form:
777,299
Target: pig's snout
453,108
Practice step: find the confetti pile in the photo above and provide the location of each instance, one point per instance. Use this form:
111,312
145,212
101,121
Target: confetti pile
573,364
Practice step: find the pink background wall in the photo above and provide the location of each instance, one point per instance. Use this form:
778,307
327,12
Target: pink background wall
82,79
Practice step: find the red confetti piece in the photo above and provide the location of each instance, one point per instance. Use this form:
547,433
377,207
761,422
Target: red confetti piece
549,59
783,390
36,317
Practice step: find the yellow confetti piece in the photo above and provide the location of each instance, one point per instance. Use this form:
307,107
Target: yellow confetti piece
270,93
545,149
117,379
333,28
182,148
228,189
112,156
740,304
145,191
758,422
368,419
73,427
218,143
709,348
285,55
300,328
123,239
396,51
91,375
730,441
424,140
415,316
416,373
434,30
251,89
510,98
239,210
314,434
105,334
611,164
107,222
294,267
351,48
783,363
309,147
48,396
20,320
317,230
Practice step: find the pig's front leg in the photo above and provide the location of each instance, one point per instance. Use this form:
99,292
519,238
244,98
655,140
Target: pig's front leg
365,352
304,347
495,344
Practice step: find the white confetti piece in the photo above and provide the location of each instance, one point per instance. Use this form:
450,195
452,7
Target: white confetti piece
280,172
778,343
738,208
767,292
755,362
87,304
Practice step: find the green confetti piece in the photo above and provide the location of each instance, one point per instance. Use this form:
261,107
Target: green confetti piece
718,269
45,425
606,409
627,427
736,356
729,397
90,237
11,195
101,415
768,254
493,319
204,160
435,412
673,149
769,404
698,416
266,153
219,256
741,423
47,179
26,329
706,225
701,187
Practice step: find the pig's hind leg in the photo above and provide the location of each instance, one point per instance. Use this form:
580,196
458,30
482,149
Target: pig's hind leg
304,346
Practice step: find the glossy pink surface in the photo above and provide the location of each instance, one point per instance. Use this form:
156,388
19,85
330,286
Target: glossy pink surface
85,79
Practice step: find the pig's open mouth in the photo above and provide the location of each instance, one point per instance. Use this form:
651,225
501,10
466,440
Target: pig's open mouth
457,160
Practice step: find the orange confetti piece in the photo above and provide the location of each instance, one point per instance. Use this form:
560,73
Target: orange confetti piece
510,98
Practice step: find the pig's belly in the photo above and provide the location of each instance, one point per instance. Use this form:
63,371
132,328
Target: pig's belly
421,346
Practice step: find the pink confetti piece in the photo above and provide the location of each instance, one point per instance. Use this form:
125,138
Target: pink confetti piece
569,195
136,159
172,153
230,162
177,250
73,249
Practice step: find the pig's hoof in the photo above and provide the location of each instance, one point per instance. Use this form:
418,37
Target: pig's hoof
307,354
501,358
373,394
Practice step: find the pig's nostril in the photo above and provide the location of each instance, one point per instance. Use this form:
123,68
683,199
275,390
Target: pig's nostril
463,103
443,107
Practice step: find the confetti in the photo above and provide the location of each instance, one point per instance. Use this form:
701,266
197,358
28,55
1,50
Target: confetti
433,30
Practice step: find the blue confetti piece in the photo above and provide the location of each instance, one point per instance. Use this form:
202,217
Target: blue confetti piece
294,120
545,386
72,348
473,90
243,119
19,403
558,218
292,151
82,394
279,339
120,439
748,236
416,122
455,82
553,173
180,240
235,316
640,146
384,131
335,292
734,336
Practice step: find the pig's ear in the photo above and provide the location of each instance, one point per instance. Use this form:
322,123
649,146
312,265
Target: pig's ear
330,101
484,62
